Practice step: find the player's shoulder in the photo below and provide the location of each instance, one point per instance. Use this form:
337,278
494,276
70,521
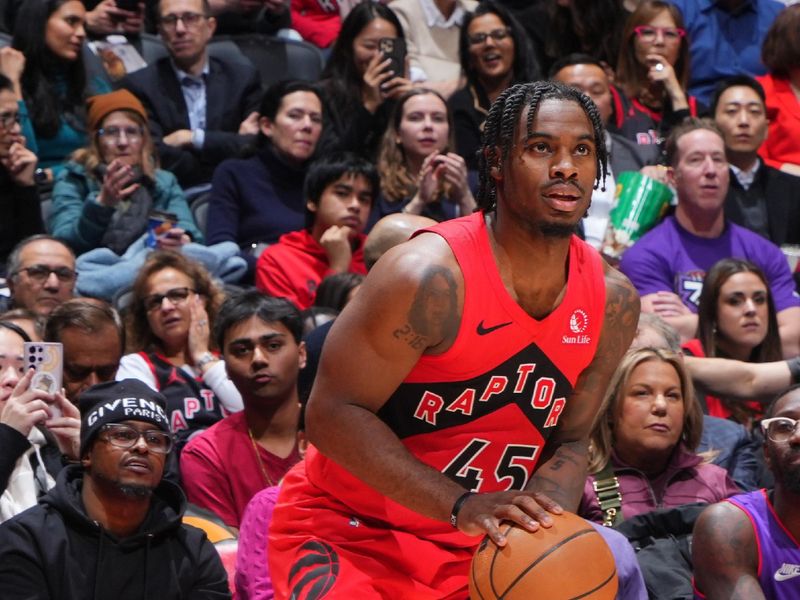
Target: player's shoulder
413,260
619,288
722,520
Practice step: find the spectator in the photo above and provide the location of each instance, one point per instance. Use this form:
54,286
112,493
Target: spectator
357,82
747,546
588,26
335,291
53,83
736,319
587,74
256,200
760,197
27,320
494,53
250,16
105,194
645,435
420,174
111,527
725,39
93,339
653,71
340,191
260,341
781,56
168,329
20,213
202,108
40,274
432,29
667,265
105,18
29,459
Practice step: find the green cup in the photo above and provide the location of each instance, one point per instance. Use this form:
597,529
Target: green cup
640,201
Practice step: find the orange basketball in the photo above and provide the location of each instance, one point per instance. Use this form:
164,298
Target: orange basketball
568,560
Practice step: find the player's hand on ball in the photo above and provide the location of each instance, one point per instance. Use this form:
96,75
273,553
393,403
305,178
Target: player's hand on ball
483,513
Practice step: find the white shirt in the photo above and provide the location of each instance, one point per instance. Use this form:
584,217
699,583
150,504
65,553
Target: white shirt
434,17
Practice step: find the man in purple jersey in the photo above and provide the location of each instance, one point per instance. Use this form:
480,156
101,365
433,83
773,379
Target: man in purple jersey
668,264
746,547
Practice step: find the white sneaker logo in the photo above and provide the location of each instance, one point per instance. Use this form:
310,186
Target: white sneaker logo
787,571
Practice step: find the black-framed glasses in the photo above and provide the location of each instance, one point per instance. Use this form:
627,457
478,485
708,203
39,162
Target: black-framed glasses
647,33
126,437
779,429
189,19
176,296
131,132
41,273
7,119
476,39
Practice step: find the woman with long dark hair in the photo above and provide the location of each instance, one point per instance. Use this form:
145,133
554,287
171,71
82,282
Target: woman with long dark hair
357,82
495,54
50,34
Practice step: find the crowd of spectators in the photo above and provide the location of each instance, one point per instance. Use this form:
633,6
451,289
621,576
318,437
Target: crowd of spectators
185,227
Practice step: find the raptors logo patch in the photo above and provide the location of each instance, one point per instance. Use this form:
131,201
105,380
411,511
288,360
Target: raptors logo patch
314,572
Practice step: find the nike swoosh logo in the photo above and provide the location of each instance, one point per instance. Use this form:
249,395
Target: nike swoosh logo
484,330
784,576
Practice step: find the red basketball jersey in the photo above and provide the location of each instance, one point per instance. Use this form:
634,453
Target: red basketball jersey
482,411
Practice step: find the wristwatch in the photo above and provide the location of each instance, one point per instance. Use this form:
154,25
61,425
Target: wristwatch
204,360
40,176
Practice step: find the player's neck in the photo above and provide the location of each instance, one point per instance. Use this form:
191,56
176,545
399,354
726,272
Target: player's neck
786,503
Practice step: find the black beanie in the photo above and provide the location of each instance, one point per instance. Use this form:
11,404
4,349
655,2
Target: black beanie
117,401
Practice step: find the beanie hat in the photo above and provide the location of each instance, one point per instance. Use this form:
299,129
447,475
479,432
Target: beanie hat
117,401
104,104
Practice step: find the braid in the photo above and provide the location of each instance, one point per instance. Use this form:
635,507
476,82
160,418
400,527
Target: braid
501,123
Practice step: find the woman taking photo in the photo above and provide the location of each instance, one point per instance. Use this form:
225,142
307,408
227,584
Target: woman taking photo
495,54
736,319
419,173
168,334
256,200
653,71
645,435
357,80
104,195
52,78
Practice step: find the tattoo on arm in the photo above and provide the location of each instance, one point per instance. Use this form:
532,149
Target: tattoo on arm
434,311
562,476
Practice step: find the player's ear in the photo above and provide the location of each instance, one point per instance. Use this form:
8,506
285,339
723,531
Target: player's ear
493,159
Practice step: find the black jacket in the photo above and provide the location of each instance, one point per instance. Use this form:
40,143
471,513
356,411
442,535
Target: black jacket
54,551
233,91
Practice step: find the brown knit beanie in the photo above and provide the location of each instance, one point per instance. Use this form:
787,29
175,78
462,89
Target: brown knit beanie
104,104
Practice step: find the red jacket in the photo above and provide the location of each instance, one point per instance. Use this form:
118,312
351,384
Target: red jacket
318,21
294,267
687,479
783,112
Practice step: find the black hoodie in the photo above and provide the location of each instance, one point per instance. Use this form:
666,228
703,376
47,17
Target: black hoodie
55,551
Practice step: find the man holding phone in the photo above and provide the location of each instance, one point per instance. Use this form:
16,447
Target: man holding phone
115,16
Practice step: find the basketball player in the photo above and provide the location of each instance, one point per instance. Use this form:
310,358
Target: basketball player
456,389
746,547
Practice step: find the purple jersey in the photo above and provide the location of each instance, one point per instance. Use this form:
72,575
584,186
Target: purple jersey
669,258
778,551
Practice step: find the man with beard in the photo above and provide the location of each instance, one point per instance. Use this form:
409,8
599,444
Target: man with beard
111,527
746,547
457,388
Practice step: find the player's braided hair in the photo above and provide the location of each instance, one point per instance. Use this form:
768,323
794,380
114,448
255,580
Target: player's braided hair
501,125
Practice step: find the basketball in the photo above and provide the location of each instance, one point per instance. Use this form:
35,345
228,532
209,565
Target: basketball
568,560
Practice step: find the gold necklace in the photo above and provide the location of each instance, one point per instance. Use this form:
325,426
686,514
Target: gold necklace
267,478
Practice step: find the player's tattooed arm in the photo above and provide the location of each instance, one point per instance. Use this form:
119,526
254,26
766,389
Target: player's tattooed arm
433,318
562,473
724,554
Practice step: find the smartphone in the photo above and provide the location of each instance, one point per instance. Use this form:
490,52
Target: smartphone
47,358
129,5
159,222
394,49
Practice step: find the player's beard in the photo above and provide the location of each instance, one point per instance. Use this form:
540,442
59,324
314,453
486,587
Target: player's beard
787,471
557,230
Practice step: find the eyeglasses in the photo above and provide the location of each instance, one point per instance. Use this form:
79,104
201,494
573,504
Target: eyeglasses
648,33
189,19
41,273
176,296
476,39
779,429
126,437
115,133
8,119
79,373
